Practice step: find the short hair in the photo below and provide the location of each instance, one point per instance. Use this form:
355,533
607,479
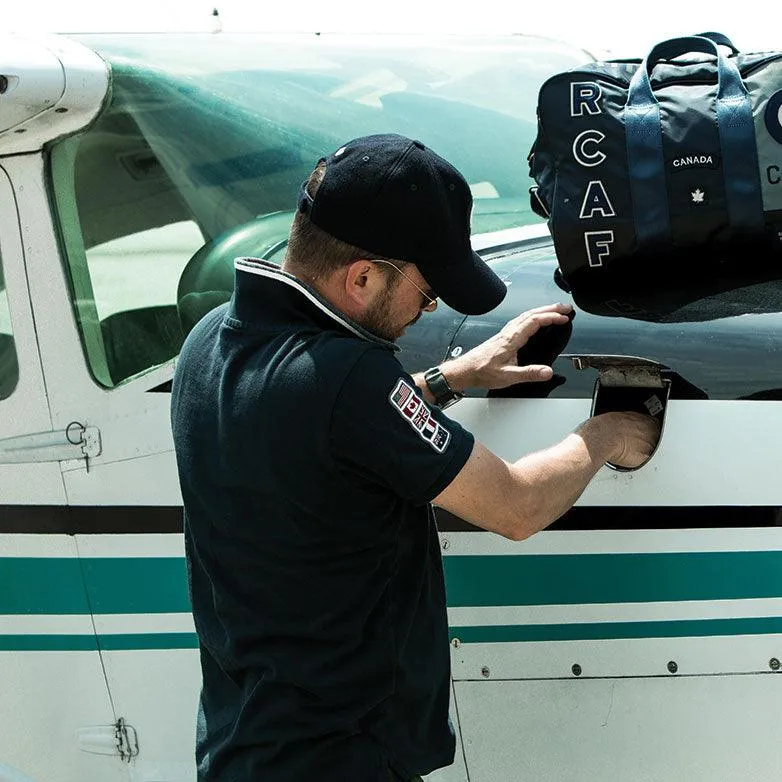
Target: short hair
313,253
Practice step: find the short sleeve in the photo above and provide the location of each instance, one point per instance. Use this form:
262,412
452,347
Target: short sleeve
383,431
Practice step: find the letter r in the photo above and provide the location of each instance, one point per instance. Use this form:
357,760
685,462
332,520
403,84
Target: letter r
584,95
597,246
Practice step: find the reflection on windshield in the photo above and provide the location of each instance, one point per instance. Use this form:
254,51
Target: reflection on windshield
237,122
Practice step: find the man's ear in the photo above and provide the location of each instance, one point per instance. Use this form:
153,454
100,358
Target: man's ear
362,282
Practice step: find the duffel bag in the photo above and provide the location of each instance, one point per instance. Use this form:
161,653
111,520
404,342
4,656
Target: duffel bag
663,166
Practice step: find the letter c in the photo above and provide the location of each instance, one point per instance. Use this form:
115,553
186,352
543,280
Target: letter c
773,116
772,180
582,154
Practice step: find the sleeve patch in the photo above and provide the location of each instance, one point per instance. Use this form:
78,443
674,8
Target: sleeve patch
415,411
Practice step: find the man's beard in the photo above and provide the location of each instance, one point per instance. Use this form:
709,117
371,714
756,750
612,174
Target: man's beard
378,318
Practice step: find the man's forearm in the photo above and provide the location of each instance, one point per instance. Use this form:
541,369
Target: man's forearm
518,499
555,478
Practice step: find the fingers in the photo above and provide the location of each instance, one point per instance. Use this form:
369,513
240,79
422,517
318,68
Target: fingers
562,309
519,330
640,428
533,373
639,435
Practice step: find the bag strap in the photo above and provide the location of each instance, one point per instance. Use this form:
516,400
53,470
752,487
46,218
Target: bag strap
720,39
645,144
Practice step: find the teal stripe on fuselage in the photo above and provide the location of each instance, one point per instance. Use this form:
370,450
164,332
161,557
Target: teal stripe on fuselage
137,585
41,585
88,643
114,585
687,628
574,579
600,631
48,643
121,641
153,585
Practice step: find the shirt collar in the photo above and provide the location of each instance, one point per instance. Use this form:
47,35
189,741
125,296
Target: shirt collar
303,294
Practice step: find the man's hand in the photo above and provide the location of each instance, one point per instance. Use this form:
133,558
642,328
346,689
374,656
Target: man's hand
492,364
623,439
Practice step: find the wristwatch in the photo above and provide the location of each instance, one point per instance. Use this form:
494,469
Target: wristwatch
443,393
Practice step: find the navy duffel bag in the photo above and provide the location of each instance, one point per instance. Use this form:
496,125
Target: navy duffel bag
668,165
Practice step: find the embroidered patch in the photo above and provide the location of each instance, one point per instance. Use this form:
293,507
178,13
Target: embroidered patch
415,411
698,160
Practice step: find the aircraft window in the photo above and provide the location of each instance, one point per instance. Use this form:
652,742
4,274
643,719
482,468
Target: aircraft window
9,368
141,270
128,235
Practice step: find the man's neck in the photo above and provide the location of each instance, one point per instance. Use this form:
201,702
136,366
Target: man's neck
331,289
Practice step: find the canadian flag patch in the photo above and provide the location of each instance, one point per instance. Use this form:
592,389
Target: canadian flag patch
416,412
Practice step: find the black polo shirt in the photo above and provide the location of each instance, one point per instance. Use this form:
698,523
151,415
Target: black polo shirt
307,461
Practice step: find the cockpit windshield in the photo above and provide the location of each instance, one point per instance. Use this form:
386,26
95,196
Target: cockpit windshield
205,140
238,122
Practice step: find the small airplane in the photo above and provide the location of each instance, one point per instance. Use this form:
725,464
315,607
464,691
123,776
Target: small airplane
636,639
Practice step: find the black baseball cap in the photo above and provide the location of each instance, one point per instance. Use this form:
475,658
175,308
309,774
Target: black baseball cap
392,196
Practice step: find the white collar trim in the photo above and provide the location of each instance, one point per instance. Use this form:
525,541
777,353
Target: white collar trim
263,268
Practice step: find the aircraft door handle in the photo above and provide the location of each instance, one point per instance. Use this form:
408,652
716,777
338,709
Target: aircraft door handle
76,441
119,739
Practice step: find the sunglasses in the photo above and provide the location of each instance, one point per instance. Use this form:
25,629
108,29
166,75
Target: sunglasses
427,297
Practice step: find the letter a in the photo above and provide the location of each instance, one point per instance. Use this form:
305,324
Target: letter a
584,95
596,200
597,245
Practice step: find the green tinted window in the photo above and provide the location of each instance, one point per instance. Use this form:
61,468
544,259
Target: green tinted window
200,152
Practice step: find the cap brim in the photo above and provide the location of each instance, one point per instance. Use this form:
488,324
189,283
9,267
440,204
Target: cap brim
470,287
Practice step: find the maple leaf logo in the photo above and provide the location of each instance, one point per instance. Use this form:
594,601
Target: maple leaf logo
697,196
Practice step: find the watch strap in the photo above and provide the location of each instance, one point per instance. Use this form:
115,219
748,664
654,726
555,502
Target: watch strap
438,386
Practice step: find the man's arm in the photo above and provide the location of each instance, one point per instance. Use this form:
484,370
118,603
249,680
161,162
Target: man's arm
517,500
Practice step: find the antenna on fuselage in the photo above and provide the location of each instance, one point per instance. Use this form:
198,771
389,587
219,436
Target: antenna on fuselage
217,23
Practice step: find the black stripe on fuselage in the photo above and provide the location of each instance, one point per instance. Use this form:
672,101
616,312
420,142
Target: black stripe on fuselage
118,520
89,519
663,517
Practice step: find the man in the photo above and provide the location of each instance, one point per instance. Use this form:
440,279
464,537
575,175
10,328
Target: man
308,460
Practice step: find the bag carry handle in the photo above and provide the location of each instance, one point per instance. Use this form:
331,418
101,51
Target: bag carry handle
729,81
645,145
720,39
